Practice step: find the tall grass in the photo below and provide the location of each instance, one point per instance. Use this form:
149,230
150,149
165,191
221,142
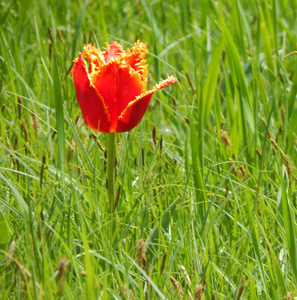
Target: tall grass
206,183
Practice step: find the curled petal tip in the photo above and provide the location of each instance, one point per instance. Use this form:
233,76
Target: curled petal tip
136,108
163,83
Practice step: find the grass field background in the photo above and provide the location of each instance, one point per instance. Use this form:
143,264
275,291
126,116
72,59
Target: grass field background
207,181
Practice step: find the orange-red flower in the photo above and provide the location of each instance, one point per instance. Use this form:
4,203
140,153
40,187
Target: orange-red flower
111,91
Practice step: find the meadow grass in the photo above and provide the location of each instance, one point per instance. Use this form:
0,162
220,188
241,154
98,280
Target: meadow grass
206,183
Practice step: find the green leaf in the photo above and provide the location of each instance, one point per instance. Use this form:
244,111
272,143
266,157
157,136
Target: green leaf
152,240
4,233
57,94
290,229
210,83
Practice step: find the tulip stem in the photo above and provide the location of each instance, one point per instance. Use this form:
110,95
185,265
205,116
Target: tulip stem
111,171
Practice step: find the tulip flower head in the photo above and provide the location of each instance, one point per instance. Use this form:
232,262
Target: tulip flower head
110,88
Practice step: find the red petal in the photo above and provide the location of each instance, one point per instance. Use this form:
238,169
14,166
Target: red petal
118,86
89,100
112,51
133,114
135,110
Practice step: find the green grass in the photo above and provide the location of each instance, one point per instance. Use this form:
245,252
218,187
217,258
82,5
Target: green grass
195,209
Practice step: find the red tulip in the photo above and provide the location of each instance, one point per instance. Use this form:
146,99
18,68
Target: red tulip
111,91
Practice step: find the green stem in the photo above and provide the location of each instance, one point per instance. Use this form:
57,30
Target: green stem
111,171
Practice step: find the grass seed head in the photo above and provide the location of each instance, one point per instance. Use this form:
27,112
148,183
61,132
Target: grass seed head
154,135
225,138
34,122
19,108
128,292
25,129
188,280
60,36
243,171
62,269
233,167
164,257
241,287
191,83
259,153
177,287
199,291
141,249
265,124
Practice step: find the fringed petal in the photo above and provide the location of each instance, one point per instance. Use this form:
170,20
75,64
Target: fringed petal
95,58
136,60
112,51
